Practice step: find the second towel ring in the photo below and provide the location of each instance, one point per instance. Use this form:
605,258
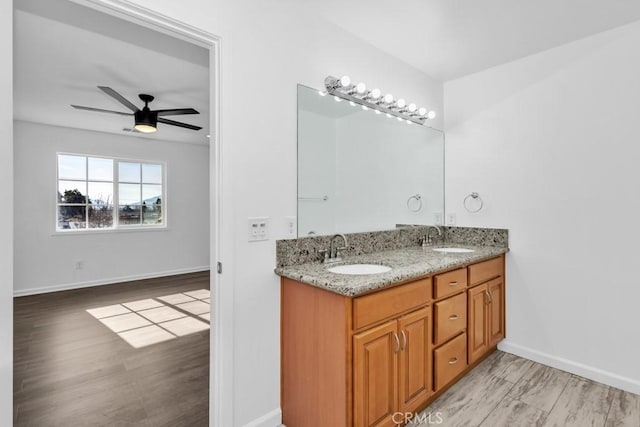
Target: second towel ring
418,198
474,196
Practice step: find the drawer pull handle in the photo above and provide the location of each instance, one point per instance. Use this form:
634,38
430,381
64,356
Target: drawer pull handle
454,317
453,283
397,349
404,340
453,361
488,298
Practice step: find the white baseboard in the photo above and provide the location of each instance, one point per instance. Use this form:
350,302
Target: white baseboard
109,281
271,419
595,374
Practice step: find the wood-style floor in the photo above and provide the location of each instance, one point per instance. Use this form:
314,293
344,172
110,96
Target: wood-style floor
70,370
506,390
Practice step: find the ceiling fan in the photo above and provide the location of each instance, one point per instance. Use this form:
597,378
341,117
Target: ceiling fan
146,120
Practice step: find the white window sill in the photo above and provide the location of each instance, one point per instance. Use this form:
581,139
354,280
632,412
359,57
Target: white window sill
108,231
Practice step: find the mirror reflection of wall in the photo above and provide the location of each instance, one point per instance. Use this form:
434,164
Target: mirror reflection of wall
360,171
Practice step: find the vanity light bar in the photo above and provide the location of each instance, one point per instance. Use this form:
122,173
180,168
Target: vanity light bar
342,88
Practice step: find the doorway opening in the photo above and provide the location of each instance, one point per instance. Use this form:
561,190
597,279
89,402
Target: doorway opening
155,257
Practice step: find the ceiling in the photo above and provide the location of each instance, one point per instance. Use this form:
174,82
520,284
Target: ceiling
448,39
62,51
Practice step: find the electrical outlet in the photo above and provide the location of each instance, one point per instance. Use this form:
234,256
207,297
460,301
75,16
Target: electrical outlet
451,218
290,226
437,218
258,229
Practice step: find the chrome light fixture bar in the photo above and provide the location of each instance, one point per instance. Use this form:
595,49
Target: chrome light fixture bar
342,88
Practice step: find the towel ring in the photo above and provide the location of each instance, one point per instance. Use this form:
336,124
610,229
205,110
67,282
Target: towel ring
418,198
474,196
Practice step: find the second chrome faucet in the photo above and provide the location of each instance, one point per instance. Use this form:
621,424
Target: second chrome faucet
428,238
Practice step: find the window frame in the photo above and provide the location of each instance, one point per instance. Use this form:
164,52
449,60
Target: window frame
117,227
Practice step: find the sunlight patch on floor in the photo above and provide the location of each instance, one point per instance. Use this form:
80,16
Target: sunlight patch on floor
153,320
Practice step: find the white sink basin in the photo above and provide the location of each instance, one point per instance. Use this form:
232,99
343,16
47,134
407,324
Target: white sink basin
453,250
357,269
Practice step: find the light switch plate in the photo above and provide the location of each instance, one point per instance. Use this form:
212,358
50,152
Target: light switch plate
258,229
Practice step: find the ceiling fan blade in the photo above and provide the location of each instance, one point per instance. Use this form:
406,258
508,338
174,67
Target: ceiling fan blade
176,111
180,124
100,110
119,98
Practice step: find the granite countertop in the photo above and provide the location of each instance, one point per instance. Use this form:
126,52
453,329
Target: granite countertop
407,264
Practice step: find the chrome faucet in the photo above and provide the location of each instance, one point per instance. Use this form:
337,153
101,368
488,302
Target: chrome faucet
333,255
428,239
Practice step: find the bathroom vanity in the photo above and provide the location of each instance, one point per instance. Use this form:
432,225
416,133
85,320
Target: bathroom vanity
394,324
358,348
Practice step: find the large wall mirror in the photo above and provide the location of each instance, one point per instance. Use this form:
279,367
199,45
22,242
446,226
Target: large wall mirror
361,171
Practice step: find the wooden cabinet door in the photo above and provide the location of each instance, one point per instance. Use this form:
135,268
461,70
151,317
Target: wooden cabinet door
496,311
414,363
477,331
375,375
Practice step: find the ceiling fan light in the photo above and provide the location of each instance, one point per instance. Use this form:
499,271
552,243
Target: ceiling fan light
146,121
145,128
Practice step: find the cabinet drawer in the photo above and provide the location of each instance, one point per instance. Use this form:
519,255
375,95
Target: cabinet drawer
483,271
450,360
450,283
378,306
450,318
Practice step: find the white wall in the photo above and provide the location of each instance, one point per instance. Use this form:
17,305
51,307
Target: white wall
551,143
6,214
267,48
107,256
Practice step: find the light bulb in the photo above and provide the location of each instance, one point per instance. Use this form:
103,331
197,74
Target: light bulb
345,81
409,122
389,116
400,119
375,93
337,99
388,98
361,88
412,108
401,103
353,104
322,93
365,108
431,115
422,111
378,112
144,128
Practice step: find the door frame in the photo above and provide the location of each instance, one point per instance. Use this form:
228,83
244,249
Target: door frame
221,343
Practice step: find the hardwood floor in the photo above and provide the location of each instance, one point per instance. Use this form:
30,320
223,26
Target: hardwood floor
72,370
506,390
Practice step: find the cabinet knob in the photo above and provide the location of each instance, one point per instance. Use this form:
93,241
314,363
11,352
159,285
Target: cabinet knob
453,361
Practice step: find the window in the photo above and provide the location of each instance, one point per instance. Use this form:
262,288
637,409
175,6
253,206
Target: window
107,193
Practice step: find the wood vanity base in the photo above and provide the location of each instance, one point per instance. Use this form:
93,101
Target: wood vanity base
355,361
